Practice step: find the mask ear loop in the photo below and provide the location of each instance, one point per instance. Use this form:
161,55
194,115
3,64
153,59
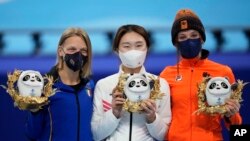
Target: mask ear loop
60,65
178,76
63,52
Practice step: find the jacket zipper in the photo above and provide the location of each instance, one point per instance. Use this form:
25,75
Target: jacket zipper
78,117
51,124
130,126
190,94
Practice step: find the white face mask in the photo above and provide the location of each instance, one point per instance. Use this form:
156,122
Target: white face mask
132,58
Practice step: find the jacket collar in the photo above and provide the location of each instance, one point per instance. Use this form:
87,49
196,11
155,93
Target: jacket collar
59,84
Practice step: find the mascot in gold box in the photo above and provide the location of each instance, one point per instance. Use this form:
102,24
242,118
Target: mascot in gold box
213,91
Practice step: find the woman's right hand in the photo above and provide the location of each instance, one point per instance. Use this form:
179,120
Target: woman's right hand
117,103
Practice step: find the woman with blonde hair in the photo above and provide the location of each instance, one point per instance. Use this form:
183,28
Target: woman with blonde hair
67,116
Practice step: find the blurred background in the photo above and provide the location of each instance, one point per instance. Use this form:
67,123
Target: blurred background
30,31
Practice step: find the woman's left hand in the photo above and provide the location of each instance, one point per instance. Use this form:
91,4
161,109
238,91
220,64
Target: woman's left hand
149,107
232,107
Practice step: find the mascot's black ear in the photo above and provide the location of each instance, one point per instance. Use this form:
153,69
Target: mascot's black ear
208,79
234,86
205,74
151,84
126,78
227,78
124,96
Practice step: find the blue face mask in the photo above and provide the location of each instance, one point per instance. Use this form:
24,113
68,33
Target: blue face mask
190,48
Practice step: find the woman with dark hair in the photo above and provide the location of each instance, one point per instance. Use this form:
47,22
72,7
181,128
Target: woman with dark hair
110,120
188,36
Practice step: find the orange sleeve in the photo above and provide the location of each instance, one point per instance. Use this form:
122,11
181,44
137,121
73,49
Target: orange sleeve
235,119
229,73
163,74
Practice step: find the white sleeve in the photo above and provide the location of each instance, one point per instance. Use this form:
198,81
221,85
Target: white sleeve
159,128
103,124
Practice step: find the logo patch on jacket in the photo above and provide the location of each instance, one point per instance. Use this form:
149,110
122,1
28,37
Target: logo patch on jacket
88,89
89,92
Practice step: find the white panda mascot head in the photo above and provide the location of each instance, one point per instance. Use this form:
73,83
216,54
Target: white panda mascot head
217,90
137,88
30,83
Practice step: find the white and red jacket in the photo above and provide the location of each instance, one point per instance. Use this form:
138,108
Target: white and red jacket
105,126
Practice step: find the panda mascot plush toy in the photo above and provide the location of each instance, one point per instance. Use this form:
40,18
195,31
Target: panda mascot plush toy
217,90
30,83
137,88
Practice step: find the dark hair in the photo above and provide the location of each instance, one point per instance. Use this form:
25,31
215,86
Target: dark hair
130,28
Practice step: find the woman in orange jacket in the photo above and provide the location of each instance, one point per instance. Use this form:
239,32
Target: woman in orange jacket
188,36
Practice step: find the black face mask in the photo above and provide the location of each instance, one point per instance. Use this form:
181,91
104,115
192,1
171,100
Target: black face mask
190,48
75,61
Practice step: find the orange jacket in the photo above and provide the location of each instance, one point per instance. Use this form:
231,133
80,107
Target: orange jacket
185,125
